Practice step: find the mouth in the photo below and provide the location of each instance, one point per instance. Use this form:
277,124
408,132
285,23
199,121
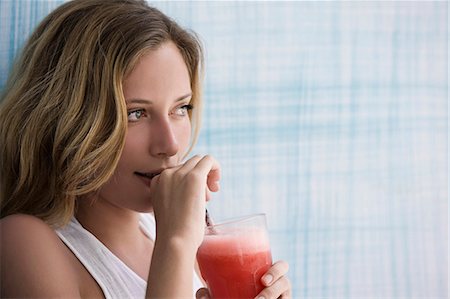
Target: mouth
148,176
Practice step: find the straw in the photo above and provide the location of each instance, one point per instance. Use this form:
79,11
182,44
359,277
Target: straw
208,219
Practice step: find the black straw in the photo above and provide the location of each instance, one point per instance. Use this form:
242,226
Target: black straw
208,219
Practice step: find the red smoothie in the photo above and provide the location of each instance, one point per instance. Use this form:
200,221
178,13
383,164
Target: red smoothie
232,264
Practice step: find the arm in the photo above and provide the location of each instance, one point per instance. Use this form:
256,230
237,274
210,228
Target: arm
34,261
178,197
171,270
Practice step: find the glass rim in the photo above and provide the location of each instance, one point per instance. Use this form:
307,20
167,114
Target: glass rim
236,220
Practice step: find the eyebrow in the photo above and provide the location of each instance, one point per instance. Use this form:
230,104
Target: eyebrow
145,101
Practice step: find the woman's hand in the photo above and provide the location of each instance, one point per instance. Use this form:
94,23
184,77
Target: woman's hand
277,285
179,195
276,282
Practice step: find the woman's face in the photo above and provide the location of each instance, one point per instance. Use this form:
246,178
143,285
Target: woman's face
157,94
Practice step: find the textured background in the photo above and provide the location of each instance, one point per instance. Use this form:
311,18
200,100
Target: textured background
332,118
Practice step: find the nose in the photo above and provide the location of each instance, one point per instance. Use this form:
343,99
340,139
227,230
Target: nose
163,139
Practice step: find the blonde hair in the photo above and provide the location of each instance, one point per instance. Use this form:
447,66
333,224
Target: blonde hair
63,117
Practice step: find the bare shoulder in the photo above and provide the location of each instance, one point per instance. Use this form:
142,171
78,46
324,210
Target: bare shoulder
34,262
26,232
22,221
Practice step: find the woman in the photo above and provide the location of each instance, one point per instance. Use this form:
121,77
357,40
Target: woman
95,122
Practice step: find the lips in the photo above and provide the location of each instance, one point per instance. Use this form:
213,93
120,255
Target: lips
148,175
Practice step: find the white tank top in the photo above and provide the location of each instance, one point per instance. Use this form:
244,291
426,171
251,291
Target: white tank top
114,277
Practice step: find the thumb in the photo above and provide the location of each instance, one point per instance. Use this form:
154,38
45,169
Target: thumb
202,293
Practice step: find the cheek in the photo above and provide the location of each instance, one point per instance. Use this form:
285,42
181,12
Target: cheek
134,142
184,136
133,149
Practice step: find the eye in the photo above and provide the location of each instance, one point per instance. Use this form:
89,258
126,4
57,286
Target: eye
183,110
135,115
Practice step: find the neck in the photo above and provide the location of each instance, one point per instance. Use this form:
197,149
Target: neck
119,230
109,223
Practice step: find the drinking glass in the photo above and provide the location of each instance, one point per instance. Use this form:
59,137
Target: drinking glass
234,255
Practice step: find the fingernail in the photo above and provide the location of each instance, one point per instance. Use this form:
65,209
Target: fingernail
268,278
260,297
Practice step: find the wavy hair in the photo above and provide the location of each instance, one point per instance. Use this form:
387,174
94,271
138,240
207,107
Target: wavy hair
63,116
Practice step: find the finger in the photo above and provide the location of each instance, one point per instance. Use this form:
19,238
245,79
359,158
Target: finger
189,164
165,173
279,288
277,270
202,293
208,167
288,293
154,182
208,195
213,180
